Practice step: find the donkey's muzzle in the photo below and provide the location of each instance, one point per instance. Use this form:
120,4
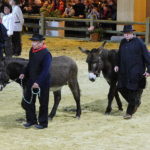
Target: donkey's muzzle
92,77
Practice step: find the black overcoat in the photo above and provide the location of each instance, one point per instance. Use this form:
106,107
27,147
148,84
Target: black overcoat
133,58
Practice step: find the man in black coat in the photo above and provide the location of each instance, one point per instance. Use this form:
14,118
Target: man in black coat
133,58
37,74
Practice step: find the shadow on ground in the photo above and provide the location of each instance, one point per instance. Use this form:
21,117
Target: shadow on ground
12,120
96,106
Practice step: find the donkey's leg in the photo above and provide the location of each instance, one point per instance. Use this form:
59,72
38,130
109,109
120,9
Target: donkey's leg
57,98
119,103
74,86
111,95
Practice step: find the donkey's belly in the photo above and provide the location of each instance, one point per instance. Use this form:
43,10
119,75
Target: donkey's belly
53,89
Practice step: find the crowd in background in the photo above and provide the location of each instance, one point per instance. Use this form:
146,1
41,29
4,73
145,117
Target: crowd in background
11,16
101,9
11,23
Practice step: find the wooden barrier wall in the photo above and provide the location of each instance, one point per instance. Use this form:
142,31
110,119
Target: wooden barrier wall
140,13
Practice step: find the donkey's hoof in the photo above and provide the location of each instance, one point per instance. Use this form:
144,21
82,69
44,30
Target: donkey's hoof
127,116
107,113
78,117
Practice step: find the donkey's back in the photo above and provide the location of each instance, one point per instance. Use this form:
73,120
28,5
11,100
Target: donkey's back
63,70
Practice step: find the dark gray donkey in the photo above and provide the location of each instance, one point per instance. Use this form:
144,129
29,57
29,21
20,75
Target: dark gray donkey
100,59
63,72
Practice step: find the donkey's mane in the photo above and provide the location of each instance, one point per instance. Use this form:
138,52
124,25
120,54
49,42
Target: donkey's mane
16,60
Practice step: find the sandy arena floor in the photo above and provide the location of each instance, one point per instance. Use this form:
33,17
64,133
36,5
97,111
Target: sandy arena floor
93,131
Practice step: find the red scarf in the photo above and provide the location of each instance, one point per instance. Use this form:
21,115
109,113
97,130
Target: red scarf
37,50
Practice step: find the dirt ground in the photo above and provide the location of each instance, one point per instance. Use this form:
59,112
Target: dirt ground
93,131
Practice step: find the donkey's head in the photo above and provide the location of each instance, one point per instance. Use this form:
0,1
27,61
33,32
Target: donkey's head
95,61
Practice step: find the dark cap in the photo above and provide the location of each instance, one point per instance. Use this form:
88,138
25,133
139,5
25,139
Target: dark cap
127,28
37,37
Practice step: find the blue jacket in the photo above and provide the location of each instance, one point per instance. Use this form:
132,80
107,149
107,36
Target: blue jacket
133,60
38,68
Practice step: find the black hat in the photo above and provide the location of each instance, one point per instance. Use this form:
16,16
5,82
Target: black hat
37,37
127,28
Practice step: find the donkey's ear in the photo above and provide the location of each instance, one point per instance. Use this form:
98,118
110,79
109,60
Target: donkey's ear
103,44
84,50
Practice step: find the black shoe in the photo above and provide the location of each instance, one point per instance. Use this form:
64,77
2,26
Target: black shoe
28,125
38,126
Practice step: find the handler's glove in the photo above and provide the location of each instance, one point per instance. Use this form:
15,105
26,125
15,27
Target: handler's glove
116,68
21,76
146,74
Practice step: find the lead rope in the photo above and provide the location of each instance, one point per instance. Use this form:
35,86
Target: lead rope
32,93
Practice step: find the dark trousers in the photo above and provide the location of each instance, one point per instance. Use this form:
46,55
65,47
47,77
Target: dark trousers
30,109
16,43
133,98
8,47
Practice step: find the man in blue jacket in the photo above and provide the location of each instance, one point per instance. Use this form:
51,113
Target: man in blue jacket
37,73
133,59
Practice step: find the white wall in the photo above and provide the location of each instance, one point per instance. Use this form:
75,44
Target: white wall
125,11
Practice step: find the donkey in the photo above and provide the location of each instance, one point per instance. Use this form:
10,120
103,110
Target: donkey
64,71
103,60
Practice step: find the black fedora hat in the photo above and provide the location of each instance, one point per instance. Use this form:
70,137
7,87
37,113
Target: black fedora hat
37,37
127,28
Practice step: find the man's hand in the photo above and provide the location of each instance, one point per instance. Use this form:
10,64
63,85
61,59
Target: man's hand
116,68
35,86
21,76
146,74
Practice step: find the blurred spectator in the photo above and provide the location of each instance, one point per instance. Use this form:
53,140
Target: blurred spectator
79,9
94,12
72,2
37,3
1,9
105,12
61,6
88,7
8,22
31,7
47,7
103,1
17,28
94,2
69,11
113,9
